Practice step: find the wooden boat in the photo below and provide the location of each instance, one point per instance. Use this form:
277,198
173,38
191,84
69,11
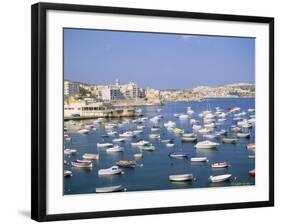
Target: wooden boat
199,159
110,171
178,155
104,145
148,147
126,163
90,156
138,155
115,148
252,173
67,173
251,146
220,165
220,178
181,177
229,140
116,188
206,145
82,163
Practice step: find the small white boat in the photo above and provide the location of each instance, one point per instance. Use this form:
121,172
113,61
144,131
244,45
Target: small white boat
220,178
170,124
205,130
196,127
90,156
235,129
199,159
243,135
189,135
154,136
111,133
210,125
251,110
178,130
67,173
110,171
188,139
169,145
183,116
155,128
189,111
251,146
181,177
220,165
178,155
82,163
176,115
166,140
206,145
69,151
110,126
136,132
138,155
140,143
116,140
211,136
116,188
83,131
104,145
115,148
148,148
128,134
251,156
140,127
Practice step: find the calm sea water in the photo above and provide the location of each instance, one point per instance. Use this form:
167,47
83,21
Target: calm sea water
157,165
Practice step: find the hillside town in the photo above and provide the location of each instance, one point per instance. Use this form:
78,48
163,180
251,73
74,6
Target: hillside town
119,100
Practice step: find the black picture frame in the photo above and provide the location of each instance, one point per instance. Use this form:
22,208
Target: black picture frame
39,108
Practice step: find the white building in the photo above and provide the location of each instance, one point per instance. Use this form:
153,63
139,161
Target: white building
71,88
111,93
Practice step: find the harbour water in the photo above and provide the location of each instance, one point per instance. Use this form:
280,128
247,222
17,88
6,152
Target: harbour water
156,166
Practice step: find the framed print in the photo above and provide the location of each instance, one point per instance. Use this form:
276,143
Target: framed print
138,111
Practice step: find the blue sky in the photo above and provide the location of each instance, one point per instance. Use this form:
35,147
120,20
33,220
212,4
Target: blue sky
163,61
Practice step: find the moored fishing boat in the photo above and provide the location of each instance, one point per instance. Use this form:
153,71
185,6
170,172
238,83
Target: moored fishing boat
183,116
82,163
170,124
252,173
229,140
110,171
148,148
220,165
188,139
169,145
116,140
199,159
154,136
126,163
128,134
90,156
83,131
138,155
140,143
109,189
206,145
243,135
115,148
178,130
181,177
155,128
251,146
205,130
220,178
67,173
178,155
70,151
251,156
104,145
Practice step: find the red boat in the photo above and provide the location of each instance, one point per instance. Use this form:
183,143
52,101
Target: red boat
252,173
